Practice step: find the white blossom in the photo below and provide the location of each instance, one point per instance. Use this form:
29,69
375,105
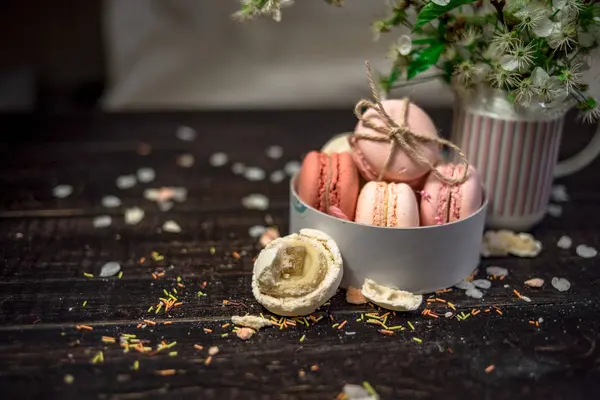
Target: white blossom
468,36
499,78
549,88
562,36
570,7
519,58
503,41
524,92
404,45
468,73
464,72
571,77
591,114
252,8
441,2
449,52
534,18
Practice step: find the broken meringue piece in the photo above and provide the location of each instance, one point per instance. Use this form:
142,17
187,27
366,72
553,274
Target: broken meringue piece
296,274
504,242
391,298
251,321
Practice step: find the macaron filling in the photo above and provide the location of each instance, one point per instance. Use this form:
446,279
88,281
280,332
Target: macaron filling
381,205
444,201
450,197
391,212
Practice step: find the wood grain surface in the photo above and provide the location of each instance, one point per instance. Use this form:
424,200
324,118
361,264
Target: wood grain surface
47,244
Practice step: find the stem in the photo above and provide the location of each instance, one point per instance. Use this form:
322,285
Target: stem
416,81
499,5
578,96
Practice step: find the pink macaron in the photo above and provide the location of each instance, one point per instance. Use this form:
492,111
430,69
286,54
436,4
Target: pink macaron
329,183
442,203
387,204
370,156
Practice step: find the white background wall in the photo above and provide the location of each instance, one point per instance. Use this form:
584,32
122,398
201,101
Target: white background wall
190,54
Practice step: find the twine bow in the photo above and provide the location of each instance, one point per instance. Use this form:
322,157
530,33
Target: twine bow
400,136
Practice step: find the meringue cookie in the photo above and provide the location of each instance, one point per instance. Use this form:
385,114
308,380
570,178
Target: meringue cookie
296,274
338,144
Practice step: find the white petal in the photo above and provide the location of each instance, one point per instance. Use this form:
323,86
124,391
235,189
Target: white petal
109,269
62,191
277,15
554,210
585,39
564,242
404,45
146,175
218,159
586,251
254,174
185,133
133,215
111,201
559,193
102,221
441,2
561,284
539,77
509,63
171,226
126,181
558,3
543,28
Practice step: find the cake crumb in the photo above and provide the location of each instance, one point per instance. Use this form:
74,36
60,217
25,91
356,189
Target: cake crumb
535,282
245,333
355,296
268,236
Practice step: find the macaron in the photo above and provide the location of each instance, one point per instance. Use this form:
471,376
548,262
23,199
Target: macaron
370,156
338,144
329,183
387,204
442,203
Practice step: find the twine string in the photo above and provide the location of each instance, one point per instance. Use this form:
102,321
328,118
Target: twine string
399,135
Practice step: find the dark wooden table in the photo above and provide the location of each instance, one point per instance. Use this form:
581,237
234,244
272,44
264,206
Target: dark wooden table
48,244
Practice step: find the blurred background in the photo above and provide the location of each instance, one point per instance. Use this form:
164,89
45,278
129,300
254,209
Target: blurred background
190,54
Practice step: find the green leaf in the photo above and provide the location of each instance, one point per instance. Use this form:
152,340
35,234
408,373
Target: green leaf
424,59
448,69
394,75
432,11
425,41
387,83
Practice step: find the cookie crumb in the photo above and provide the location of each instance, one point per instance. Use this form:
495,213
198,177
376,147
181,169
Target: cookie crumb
355,296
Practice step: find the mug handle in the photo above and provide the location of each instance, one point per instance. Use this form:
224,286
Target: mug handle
581,159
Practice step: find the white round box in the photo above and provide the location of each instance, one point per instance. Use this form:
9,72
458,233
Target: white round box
418,260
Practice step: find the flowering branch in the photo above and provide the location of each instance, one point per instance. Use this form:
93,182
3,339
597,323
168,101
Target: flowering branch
534,50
